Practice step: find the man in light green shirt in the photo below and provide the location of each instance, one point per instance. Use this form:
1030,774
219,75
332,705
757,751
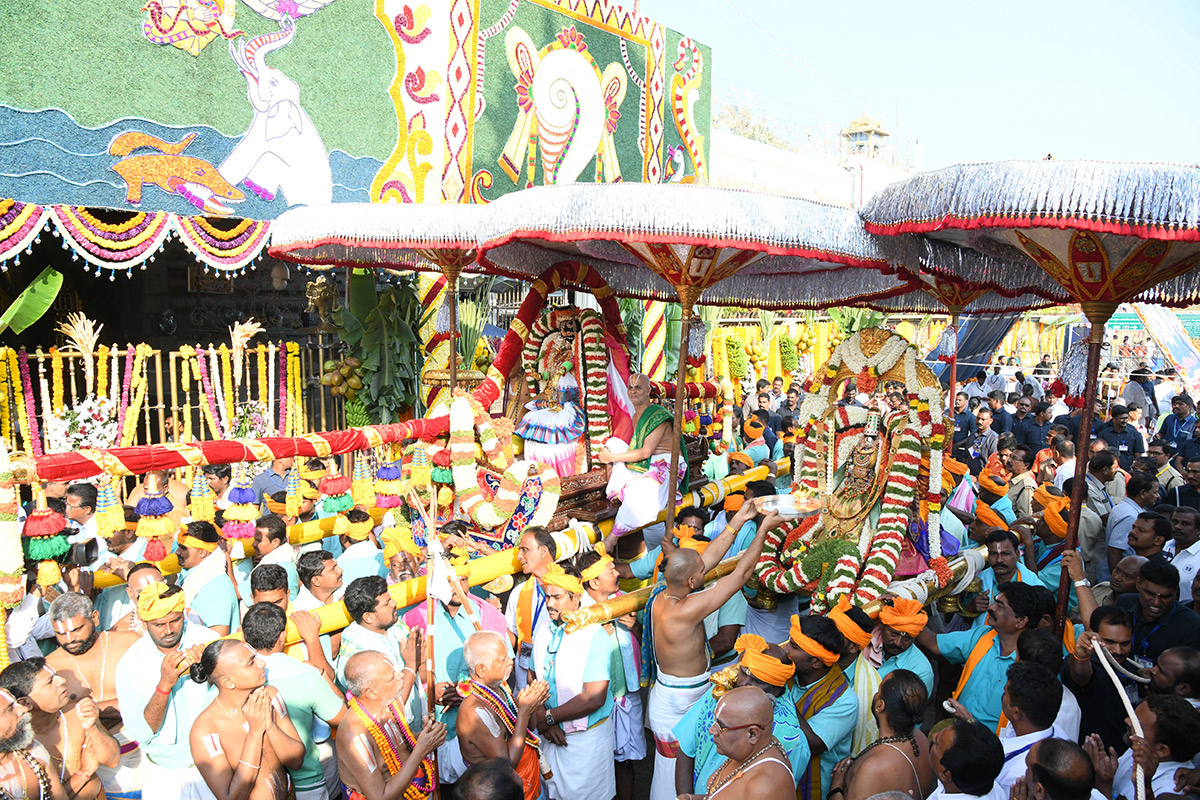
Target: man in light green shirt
311,700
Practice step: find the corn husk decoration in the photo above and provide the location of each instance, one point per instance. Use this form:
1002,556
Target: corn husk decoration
291,485
84,335
12,559
336,488
45,541
110,514
154,523
203,504
240,335
363,487
241,515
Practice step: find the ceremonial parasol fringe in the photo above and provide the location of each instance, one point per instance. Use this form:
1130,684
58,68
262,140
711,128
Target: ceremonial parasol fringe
1159,200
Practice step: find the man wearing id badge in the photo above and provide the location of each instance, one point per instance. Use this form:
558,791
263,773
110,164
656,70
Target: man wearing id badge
526,610
1122,439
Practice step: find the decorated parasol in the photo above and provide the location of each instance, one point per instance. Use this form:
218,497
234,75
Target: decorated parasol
432,238
696,244
1107,233
946,284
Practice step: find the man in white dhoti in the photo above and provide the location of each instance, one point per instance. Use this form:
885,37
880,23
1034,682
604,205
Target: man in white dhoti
639,477
158,702
674,652
577,727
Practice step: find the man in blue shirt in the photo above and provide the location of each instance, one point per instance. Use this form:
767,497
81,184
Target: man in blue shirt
1178,428
964,426
1001,419
1124,441
1034,433
987,651
271,481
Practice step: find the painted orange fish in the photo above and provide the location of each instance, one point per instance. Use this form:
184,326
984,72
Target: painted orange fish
194,178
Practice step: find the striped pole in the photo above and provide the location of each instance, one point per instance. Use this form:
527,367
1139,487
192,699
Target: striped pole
654,340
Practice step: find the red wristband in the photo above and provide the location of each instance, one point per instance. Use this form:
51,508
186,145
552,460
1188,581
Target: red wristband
160,691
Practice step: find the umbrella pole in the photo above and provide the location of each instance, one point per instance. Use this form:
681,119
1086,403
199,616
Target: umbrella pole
452,271
1098,313
954,315
687,297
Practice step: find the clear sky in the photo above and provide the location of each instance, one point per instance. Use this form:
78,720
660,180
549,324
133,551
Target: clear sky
970,81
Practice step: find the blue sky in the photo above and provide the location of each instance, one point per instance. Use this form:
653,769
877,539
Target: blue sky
970,81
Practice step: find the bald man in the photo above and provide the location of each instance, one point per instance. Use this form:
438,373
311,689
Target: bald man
755,764
674,632
639,475
373,684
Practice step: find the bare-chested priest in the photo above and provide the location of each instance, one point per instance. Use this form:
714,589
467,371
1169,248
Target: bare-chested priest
639,472
87,662
674,633
244,743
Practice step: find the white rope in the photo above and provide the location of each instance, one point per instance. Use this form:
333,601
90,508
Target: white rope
1139,773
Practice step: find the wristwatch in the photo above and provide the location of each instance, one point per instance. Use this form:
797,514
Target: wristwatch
550,719
1083,583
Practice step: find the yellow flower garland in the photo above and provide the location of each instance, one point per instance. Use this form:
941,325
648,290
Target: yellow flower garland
137,394
295,393
56,369
227,382
102,371
185,386
192,360
262,378
5,416
18,394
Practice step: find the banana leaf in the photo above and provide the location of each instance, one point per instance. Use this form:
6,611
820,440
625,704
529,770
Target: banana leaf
32,303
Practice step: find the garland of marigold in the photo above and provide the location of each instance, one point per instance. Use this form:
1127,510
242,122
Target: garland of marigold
5,417
425,779
185,386
208,403
263,389
125,387
33,440
138,394
102,372
56,370
296,399
214,374
18,395
230,398
283,390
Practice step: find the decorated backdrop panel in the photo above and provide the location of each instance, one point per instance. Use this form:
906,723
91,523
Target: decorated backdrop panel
246,107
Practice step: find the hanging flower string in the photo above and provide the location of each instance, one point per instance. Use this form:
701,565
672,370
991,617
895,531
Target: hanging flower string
126,385
56,375
138,394
102,372
263,390
206,389
214,374
5,418
271,373
283,392
185,385
229,397
33,440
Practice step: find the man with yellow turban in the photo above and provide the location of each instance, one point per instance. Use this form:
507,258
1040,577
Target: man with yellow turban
826,705
152,682
900,620
207,589
577,726
598,571
361,556
759,664
453,622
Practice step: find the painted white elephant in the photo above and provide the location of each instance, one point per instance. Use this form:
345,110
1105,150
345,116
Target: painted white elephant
282,151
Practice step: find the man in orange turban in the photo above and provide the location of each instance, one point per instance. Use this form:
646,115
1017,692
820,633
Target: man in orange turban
900,621
826,705
993,490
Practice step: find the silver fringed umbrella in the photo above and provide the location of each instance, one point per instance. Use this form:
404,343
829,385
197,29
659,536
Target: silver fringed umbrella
697,244
433,238
1107,233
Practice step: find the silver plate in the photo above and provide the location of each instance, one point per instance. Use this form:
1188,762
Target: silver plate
785,506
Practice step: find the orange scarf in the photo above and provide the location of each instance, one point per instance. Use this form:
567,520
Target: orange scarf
977,653
525,611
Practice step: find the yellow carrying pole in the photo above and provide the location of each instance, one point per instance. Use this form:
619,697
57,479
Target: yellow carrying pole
334,616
